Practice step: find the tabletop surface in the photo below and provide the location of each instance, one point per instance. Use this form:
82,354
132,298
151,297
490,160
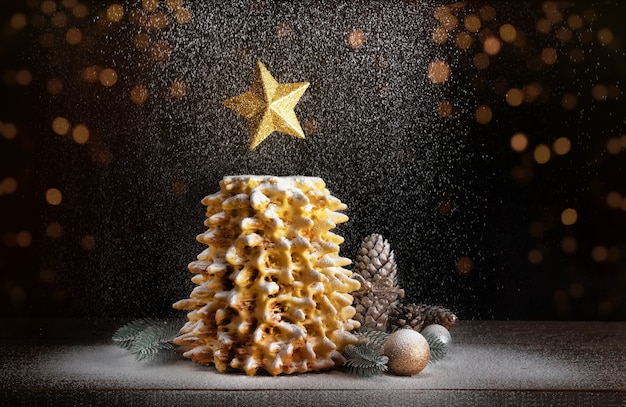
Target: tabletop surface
73,362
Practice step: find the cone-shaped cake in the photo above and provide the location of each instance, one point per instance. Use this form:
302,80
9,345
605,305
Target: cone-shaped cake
272,291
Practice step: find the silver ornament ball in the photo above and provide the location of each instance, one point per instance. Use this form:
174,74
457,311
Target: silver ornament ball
439,332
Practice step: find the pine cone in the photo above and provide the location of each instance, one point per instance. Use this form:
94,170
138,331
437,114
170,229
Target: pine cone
417,316
407,316
379,294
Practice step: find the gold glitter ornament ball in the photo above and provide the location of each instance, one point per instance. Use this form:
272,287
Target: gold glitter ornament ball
408,352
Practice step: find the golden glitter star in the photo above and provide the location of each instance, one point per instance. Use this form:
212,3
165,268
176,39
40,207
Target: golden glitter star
268,106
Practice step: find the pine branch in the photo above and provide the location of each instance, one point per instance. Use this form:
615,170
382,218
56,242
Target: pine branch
126,335
438,349
365,360
374,336
148,338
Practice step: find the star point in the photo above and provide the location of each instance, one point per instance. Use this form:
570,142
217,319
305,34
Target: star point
269,106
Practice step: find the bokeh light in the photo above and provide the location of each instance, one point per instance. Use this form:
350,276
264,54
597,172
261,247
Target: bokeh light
108,77
492,46
535,256
472,23
484,114
519,142
80,134
9,131
561,146
599,254
508,33
569,216
438,71
542,154
356,39
115,13
569,244
54,196
464,265
514,97
139,94
73,36
61,126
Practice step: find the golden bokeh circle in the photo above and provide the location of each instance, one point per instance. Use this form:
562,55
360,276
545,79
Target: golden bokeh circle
605,36
487,13
54,230
115,13
108,77
519,142
161,50
531,92
356,39
463,40
535,256
283,29
614,200
8,186
575,21
139,94
472,23
149,5
481,61
549,56
543,26
438,71
54,196
542,154
91,74
614,146
178,89
445,108
48,7
599,92
23,77
439,35
158,21
88,242
141,41
569,101
569,244
9,130
561,146
18,21
23,239
61,126
514,97
484,114
464,265
508,33
492,46
174,4
569,216
599,254
182,15
73,36
80,134
80,11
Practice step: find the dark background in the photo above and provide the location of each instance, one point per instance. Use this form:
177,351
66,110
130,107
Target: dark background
475,225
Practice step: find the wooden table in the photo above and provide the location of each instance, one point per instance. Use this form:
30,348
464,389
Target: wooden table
72,362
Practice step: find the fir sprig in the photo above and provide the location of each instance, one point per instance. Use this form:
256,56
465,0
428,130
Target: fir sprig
148,338
365,359
373,336
438,349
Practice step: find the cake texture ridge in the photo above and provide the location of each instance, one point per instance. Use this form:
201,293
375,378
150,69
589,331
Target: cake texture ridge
272,292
